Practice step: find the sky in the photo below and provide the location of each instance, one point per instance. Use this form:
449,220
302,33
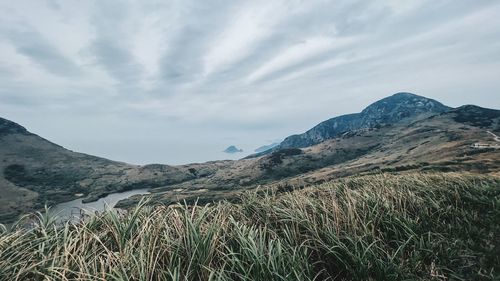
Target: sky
178,81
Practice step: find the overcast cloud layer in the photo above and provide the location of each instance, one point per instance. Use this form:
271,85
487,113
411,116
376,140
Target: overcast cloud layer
178,81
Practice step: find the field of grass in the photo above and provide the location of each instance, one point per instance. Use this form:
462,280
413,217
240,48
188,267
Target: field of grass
377,227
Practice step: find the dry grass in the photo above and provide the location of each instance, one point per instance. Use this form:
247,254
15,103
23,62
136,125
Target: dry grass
382,227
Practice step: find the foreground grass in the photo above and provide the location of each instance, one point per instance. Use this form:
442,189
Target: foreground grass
383,227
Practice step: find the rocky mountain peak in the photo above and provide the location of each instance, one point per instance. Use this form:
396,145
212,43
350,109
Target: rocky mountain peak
401,105
386,111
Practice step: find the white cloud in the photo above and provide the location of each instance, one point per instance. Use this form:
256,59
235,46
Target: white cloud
249,25
298,53
214,70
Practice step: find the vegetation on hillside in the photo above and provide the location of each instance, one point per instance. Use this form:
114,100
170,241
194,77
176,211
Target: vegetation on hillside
378,227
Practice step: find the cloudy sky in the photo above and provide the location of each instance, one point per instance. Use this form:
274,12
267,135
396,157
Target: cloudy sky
178,81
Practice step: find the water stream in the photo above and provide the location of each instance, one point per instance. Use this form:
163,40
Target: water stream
73,209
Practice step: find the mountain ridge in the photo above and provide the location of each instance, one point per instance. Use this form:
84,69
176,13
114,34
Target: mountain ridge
388,110
36,171
435,143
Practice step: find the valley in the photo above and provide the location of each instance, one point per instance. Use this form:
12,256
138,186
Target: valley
396,192
398,134
249,140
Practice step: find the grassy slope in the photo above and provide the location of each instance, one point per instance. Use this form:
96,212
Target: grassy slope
379,227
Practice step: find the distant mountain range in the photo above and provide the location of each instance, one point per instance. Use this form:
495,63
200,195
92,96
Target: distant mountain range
398,133
266,147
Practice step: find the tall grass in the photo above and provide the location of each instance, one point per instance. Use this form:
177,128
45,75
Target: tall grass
382,227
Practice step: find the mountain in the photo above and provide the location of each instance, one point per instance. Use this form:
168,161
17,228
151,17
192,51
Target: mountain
445,141
384,112
232,149
266,147
403,132
35,171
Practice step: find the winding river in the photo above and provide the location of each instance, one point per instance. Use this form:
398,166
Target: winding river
72,209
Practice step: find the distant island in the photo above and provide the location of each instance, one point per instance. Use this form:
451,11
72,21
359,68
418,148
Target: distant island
232,149
266,147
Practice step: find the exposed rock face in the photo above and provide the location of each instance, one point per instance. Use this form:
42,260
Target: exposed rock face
386,111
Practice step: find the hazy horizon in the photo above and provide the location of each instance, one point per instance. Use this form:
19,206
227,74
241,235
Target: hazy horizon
177,82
